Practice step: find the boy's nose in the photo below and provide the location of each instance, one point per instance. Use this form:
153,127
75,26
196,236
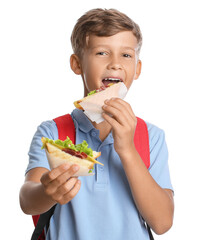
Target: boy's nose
114,64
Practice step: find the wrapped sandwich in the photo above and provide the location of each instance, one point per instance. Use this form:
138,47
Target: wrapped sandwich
92,104
59,152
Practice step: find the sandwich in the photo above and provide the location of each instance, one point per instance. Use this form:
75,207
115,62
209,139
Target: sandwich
93,102
59,152
91,94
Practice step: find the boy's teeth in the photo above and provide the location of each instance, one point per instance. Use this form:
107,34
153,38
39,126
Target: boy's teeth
112,79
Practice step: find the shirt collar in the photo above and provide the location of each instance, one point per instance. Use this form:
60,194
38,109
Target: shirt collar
84,123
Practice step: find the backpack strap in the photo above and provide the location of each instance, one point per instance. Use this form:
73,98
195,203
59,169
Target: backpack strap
141,141
66,128
42,221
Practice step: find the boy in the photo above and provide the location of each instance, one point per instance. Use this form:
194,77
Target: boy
113,203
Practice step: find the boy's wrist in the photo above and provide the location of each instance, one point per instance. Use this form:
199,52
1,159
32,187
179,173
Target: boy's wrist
128,154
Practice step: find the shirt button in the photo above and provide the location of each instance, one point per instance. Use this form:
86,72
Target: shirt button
93,134
101,168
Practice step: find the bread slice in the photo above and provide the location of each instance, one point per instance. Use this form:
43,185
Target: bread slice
57,157
77,103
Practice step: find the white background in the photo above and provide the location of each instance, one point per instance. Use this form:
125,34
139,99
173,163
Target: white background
176,91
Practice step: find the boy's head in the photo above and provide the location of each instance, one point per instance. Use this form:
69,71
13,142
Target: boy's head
102,23
106,46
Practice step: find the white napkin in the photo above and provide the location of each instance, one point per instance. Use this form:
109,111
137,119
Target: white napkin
93,106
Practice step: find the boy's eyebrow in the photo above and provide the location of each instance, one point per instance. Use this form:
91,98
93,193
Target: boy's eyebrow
107,46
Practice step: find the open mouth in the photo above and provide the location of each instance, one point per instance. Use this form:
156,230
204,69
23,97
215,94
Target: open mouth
107,81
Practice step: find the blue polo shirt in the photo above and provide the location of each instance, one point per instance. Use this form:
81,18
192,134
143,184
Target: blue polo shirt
104,208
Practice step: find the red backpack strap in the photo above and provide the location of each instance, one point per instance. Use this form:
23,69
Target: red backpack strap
66,128
141,140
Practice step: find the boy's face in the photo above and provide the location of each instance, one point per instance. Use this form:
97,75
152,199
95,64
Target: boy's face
110,57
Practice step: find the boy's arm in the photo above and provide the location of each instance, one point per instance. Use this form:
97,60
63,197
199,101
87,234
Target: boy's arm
154,203
42,188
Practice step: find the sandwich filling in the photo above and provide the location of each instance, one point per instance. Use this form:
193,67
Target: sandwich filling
81,150
72,152
107,82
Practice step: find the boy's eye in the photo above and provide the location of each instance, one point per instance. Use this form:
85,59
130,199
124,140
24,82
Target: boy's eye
126,55
101,53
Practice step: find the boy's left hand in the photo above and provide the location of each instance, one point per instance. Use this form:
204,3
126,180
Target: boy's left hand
123,123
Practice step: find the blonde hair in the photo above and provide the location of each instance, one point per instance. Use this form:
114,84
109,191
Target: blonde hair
102,22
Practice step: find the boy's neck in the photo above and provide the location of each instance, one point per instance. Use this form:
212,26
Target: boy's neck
104,129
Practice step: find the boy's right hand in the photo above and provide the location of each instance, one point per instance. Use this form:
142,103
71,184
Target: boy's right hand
59,183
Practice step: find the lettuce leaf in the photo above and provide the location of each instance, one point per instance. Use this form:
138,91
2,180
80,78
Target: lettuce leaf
81,147
91,93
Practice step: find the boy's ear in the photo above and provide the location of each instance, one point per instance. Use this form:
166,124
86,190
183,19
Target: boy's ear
138,69
75,64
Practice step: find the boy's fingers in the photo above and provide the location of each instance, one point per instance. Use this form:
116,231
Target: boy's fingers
65,188
119,108
116,113
52,187
72,193
53,174
111,121
121,115
121,104
62,178
59,175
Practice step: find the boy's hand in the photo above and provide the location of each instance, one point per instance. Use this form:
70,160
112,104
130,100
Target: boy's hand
123,122
60,185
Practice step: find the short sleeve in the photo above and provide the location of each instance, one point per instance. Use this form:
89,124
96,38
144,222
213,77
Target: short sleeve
159,168
37,156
